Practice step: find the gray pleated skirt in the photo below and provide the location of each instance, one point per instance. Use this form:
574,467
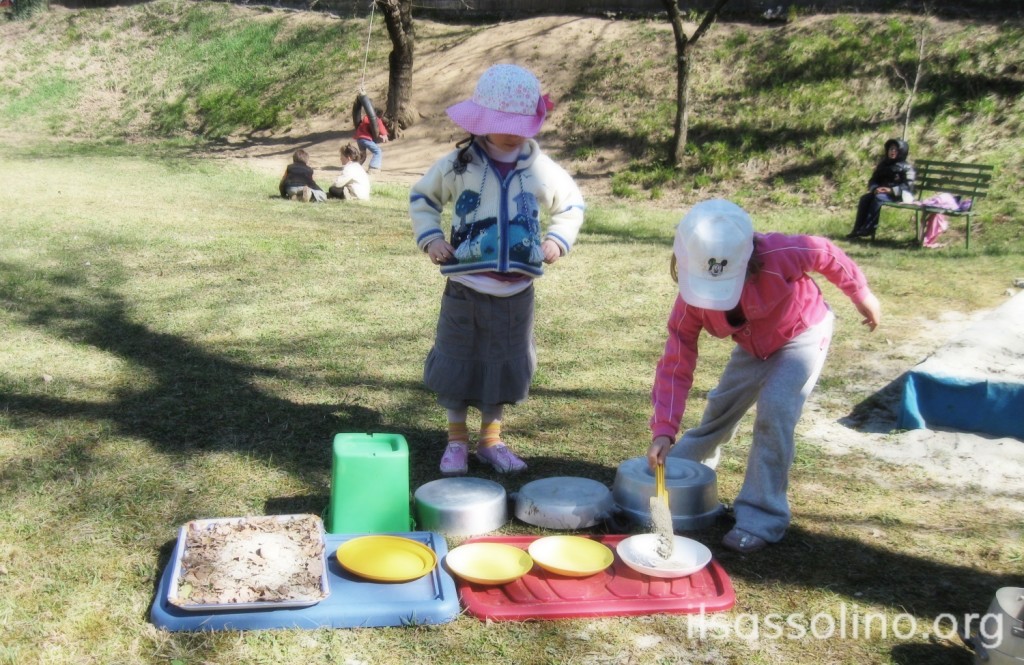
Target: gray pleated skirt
484,354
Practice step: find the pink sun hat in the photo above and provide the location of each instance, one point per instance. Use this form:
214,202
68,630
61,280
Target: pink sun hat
507,100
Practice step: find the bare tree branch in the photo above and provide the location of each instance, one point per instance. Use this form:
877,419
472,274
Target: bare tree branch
709,18
921,40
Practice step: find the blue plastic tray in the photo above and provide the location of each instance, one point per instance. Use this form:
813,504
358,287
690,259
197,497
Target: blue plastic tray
354,602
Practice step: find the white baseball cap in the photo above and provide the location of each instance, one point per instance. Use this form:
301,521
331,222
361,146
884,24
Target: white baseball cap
713,245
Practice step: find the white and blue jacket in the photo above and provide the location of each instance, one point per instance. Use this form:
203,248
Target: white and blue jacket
496,223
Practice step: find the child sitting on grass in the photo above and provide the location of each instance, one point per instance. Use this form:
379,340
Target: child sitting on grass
353,181
297,182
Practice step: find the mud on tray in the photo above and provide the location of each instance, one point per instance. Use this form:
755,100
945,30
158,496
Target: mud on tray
236,563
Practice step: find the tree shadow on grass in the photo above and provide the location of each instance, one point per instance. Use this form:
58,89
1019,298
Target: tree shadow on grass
184,399
194,401
276,146
191,400
933,653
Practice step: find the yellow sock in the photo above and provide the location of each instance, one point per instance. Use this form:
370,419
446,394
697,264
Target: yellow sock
458,433
490,434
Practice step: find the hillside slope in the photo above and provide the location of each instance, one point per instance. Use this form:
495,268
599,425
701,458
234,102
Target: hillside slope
552,46
784,115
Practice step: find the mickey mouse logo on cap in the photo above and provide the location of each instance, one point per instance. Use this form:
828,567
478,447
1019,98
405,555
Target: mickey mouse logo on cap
716,267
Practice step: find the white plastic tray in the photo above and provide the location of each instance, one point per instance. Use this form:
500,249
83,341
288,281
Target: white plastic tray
177,570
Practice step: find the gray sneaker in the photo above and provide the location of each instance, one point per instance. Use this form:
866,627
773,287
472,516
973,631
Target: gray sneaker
740,541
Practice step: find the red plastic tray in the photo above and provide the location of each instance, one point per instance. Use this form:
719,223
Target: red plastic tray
615,591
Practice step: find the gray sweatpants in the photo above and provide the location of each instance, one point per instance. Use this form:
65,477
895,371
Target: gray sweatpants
780,386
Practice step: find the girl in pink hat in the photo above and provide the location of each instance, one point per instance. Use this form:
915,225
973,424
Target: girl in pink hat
513,211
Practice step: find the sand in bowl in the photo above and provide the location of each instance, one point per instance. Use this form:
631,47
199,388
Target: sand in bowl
661,520
639,552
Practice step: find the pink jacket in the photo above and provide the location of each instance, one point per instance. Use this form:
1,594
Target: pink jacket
779,302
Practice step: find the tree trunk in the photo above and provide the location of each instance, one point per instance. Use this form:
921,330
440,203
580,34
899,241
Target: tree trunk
682,126
912,91
400,112
678,146
684,55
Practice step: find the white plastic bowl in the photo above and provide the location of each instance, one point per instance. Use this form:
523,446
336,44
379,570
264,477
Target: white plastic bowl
639,552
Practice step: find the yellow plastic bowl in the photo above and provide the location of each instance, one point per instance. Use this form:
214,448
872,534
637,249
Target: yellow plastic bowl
488,563
386,558
573,556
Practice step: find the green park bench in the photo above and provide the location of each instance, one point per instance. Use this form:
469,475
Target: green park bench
967,181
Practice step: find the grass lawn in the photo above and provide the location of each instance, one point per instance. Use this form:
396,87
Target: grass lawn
176,342
179,343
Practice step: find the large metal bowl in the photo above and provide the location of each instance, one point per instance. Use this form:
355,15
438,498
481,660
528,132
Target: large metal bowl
564,502
461,506
692,492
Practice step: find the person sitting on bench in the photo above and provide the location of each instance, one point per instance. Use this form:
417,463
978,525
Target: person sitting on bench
892,180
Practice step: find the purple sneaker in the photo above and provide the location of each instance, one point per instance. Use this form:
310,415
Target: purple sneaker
455,461
501,458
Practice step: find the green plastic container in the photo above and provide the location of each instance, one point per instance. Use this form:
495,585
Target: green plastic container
369,484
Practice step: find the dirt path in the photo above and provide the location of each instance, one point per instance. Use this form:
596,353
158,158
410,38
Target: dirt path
551,46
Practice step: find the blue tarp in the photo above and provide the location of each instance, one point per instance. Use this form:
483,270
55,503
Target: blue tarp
972,405
975,381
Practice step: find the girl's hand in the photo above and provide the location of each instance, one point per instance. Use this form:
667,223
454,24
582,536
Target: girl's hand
871,310
552,252
658,451
440,252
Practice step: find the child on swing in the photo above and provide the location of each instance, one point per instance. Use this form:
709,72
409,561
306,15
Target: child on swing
500,182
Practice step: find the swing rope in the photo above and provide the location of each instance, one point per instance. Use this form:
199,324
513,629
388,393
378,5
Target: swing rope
366,54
